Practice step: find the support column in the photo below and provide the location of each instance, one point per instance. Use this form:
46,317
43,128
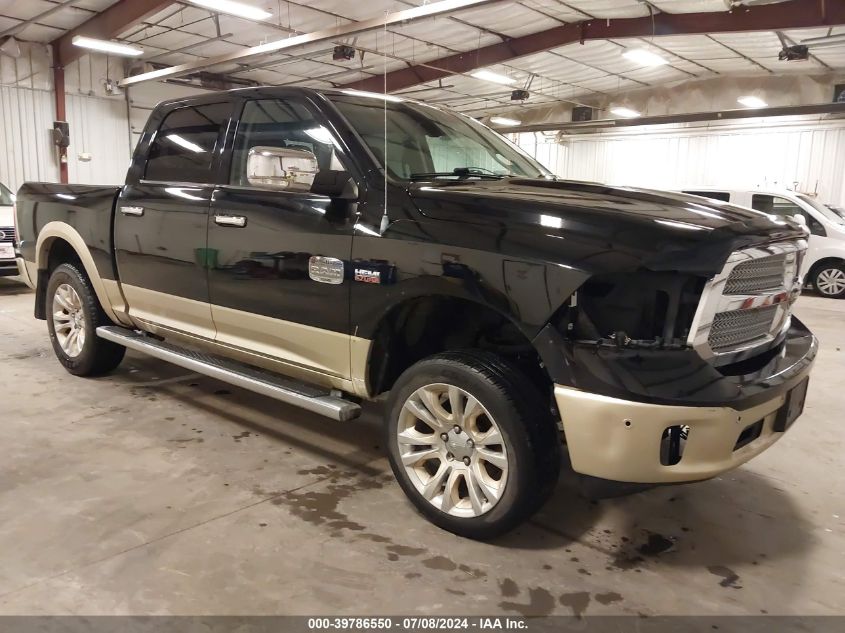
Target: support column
61,111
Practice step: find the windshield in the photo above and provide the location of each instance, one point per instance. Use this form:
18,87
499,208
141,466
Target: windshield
824,210
7,199
840,211
424,142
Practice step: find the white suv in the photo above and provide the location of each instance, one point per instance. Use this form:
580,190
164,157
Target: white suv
824,263
8,265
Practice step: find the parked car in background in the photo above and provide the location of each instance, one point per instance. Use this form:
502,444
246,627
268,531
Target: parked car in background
8,265
824,263
840,211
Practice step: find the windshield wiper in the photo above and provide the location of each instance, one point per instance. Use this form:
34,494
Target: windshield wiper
460,172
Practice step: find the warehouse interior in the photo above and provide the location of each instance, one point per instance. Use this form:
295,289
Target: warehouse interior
155,490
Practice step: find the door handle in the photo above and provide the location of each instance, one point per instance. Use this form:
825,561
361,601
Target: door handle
132,211
238,221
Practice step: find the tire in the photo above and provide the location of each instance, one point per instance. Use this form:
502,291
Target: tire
72,306
507,402
829,280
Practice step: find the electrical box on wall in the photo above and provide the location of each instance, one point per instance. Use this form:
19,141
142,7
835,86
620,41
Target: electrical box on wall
61,133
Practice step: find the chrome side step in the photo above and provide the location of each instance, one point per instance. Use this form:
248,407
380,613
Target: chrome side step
251,378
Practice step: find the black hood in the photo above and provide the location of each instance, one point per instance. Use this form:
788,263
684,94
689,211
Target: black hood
653,229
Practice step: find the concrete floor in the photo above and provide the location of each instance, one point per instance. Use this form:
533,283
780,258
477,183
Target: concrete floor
154,491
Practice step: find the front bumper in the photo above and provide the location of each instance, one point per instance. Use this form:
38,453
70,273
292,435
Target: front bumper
620,440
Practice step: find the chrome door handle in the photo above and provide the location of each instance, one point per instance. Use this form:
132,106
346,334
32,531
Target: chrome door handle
132,210
230,220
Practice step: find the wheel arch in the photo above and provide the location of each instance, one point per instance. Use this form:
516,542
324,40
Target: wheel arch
415,328
60,235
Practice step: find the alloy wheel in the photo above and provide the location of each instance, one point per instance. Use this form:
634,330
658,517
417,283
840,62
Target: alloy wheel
831,281
452,450
69,320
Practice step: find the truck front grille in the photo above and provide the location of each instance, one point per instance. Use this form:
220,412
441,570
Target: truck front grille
748,304
740,328
7,234
758,275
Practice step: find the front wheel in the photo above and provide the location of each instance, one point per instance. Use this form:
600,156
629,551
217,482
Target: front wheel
829,280
472,443
74,313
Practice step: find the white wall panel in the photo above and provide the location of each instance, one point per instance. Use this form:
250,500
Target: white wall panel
26,147
802,152
98,127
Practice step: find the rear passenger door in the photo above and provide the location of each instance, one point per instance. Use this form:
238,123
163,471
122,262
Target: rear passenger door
277,284
161,223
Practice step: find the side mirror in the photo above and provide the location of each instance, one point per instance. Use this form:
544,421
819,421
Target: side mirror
282,168
335,184
799,218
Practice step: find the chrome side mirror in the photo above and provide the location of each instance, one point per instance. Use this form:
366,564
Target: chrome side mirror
799,218
282,168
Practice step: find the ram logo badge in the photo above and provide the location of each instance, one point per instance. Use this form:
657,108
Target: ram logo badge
325,270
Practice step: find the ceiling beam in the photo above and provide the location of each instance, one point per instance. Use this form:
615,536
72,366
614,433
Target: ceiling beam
442,7
106,25
793,14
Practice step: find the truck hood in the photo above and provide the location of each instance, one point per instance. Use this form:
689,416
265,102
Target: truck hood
657,230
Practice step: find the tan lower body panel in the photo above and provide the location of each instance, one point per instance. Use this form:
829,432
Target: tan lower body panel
620,440
323,357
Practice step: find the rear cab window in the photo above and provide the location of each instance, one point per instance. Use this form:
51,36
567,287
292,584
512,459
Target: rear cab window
184,146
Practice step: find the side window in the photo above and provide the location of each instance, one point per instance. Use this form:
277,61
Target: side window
781,206
294,147
724,196
183,148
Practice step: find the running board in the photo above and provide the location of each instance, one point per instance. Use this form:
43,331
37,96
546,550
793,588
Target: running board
238,374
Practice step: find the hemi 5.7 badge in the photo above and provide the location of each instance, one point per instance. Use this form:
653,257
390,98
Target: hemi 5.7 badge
368,276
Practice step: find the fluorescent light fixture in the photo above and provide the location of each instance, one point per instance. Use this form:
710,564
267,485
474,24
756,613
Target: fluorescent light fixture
644,57
231,7
750,101
505,121
625,113
372,95
496,78
106,46
552,221
183,142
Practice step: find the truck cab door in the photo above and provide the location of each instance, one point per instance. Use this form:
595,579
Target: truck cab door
161,223
278,284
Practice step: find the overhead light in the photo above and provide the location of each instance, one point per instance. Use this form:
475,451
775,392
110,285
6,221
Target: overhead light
372,95
106,46
231,7
504,121
625,113
644,57
489,75
552,221
750,101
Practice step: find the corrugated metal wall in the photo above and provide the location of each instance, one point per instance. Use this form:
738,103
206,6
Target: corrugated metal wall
800,152
99,128
26,146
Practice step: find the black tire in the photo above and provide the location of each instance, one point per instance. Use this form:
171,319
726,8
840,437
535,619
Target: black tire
530,437
97,356
829,273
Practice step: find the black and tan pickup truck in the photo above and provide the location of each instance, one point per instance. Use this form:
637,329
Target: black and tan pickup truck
327,248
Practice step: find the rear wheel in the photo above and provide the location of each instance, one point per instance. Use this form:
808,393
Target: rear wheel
74,315
829,280
472,443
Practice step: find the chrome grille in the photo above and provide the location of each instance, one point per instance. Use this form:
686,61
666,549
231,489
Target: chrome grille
7,234
758,275
739,328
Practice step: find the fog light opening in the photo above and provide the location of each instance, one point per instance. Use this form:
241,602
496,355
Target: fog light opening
672,444
749,434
